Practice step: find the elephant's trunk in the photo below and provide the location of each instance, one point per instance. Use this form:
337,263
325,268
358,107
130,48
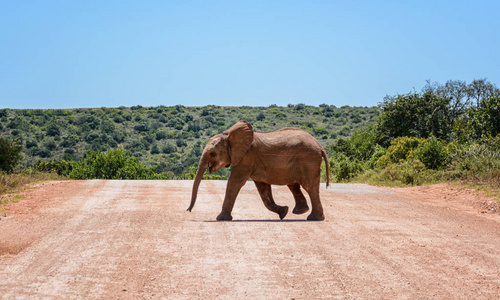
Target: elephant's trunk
202,167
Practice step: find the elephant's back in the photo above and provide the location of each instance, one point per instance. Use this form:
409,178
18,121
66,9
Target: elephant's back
288,139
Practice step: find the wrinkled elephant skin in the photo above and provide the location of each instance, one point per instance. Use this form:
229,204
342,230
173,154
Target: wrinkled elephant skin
289,156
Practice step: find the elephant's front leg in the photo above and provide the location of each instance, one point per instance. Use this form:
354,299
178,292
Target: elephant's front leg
267,197
234,184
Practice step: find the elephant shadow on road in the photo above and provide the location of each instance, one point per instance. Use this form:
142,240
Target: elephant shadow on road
260,221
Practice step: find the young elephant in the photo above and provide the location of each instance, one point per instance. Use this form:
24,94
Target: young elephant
289,156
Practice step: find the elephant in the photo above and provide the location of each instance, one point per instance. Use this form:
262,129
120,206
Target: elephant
289,156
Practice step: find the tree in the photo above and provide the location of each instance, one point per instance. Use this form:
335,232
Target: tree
455,91
141,127
194,126
414,115
53,130
10,154
155,149
168,148
485,119
480,90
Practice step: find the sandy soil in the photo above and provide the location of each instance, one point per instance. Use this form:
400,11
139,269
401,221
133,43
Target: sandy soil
135,240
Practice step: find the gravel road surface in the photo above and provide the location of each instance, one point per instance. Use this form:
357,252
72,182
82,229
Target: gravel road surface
135,240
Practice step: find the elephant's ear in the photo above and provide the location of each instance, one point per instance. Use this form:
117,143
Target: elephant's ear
240,137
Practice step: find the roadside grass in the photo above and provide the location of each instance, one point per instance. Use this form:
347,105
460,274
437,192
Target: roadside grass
11,183
14,199
394,176
488,183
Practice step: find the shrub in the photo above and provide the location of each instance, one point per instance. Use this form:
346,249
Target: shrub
401,149
62,167
320,131
155,149
433,153
31,144
53,130
141,127
168,148
194,126
69,141
407,172
343,168
475,160
10,154
378,152
113,164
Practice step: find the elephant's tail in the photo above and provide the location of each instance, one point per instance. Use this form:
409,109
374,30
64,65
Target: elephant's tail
325,157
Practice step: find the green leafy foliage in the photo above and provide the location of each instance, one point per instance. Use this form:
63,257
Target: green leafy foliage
10,154
168,140
484,121
433,153
450,111
408,172
344,168
401,149
61,167
414,115
445,132
113,164
475,159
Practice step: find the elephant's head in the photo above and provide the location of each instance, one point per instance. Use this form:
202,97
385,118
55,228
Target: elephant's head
223,150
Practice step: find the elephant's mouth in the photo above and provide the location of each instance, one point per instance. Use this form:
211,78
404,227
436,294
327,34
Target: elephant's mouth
212,167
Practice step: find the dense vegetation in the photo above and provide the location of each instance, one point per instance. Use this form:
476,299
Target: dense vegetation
166,140
444,132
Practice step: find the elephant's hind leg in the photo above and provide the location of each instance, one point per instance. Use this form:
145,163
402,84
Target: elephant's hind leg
267,197
317,208
300,201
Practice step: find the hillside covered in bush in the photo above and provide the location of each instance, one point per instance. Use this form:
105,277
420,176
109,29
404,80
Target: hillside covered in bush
444,132
167,139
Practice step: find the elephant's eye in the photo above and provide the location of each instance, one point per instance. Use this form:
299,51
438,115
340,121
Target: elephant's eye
213,154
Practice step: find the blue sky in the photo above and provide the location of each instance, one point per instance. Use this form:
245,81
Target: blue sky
69,54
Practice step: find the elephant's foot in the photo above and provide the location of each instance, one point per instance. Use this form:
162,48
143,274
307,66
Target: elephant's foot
282,211
224,216
300,209
314,216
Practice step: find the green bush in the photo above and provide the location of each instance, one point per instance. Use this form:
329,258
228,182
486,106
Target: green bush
433,153
401,149
343,168
62,167
361,145
475,160
10,154
484,121
411,172
113,164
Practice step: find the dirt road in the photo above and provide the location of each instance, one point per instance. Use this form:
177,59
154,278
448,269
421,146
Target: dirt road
135,240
